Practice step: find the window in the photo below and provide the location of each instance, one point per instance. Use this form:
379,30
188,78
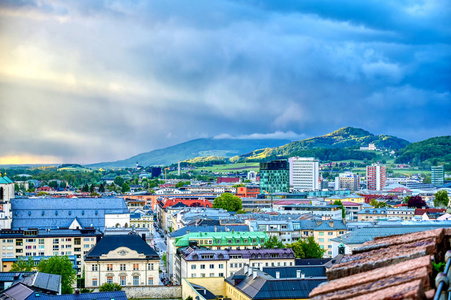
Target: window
221,274
55,241
55,247
94,282
122,267
150,281
109,279
150,267
202,274
321,240
212,274
135,280
94,268
212,266
321,233
135,268
202,267
193,267
122,280
221,266
330,233
86,246
109,267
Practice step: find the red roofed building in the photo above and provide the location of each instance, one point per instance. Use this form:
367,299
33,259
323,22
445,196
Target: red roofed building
168,202
421,211
228,180
400,190
45,188
248,191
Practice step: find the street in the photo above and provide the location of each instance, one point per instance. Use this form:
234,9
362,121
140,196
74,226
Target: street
160,248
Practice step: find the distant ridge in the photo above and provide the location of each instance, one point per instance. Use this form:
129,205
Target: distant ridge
192,149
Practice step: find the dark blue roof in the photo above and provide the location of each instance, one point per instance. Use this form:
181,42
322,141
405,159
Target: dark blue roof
11,276
112,242
311,261
117,295
52,213
291,272
184,230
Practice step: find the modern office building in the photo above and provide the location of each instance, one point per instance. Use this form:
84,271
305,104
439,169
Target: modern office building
275,177
437,175
304,173
375,177
347,181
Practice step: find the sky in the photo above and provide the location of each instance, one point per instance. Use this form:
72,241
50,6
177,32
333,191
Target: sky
88,81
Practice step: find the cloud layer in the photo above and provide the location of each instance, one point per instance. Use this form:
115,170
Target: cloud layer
88,81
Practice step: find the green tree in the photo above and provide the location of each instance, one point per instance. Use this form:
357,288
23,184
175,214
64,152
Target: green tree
110,287
85,188
163,258
125,188
228,202
182,183
22,265
92,188
53,184
310,248
343,211
60,265
441,199
406,199
101,188
273,242
119,181
427,179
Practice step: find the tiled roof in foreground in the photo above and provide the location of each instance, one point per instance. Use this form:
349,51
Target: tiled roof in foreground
393,267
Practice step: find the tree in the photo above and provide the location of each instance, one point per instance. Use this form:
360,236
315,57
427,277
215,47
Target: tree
163,258
101,188
427,179
378,204
125,188
228,202
119,181
60,265
441,199
343,211
22,265
406,200
307,248
110,287
53,184
273,242
182,183
92,188
85,188
417,202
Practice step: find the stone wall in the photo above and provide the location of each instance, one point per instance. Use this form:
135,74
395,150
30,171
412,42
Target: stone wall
153,292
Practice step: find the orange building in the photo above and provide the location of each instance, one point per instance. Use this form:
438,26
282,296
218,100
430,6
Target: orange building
250,191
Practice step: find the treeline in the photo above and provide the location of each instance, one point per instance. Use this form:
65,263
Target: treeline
433,151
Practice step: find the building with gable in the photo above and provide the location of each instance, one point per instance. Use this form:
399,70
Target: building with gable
6,194
123,259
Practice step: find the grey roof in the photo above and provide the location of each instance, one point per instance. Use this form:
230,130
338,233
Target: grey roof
117,295
51,213
43,281
311,261
203,291
16,292
186,229
204,254
112,242
366,234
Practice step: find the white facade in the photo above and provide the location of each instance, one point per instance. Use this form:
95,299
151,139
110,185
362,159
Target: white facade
6,194
304,173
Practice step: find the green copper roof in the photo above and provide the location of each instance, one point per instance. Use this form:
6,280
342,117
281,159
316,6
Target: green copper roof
5,180
229,238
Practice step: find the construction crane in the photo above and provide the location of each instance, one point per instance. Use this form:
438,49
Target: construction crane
165,173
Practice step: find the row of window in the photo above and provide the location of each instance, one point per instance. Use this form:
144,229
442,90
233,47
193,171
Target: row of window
122,267
123,280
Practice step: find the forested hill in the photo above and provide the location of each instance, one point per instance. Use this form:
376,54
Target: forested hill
192,149
340,144
434,151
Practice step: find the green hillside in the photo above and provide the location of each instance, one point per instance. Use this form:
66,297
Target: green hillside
338,145
192,149
434,151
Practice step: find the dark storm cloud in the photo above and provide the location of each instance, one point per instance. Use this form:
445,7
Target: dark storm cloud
116,78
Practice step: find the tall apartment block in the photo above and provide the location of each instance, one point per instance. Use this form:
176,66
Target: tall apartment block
437,175
304,173
275,177
375,177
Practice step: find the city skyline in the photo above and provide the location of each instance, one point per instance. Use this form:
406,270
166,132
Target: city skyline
85,82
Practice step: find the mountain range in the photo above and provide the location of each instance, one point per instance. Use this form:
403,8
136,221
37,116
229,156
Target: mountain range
338,144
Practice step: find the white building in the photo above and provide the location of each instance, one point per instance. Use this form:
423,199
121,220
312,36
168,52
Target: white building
6,194
304,173
252,176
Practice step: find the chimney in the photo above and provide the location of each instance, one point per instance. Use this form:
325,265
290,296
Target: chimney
298,274
277,275
245,268
261,267
254,274
216,228
249,272
302,275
